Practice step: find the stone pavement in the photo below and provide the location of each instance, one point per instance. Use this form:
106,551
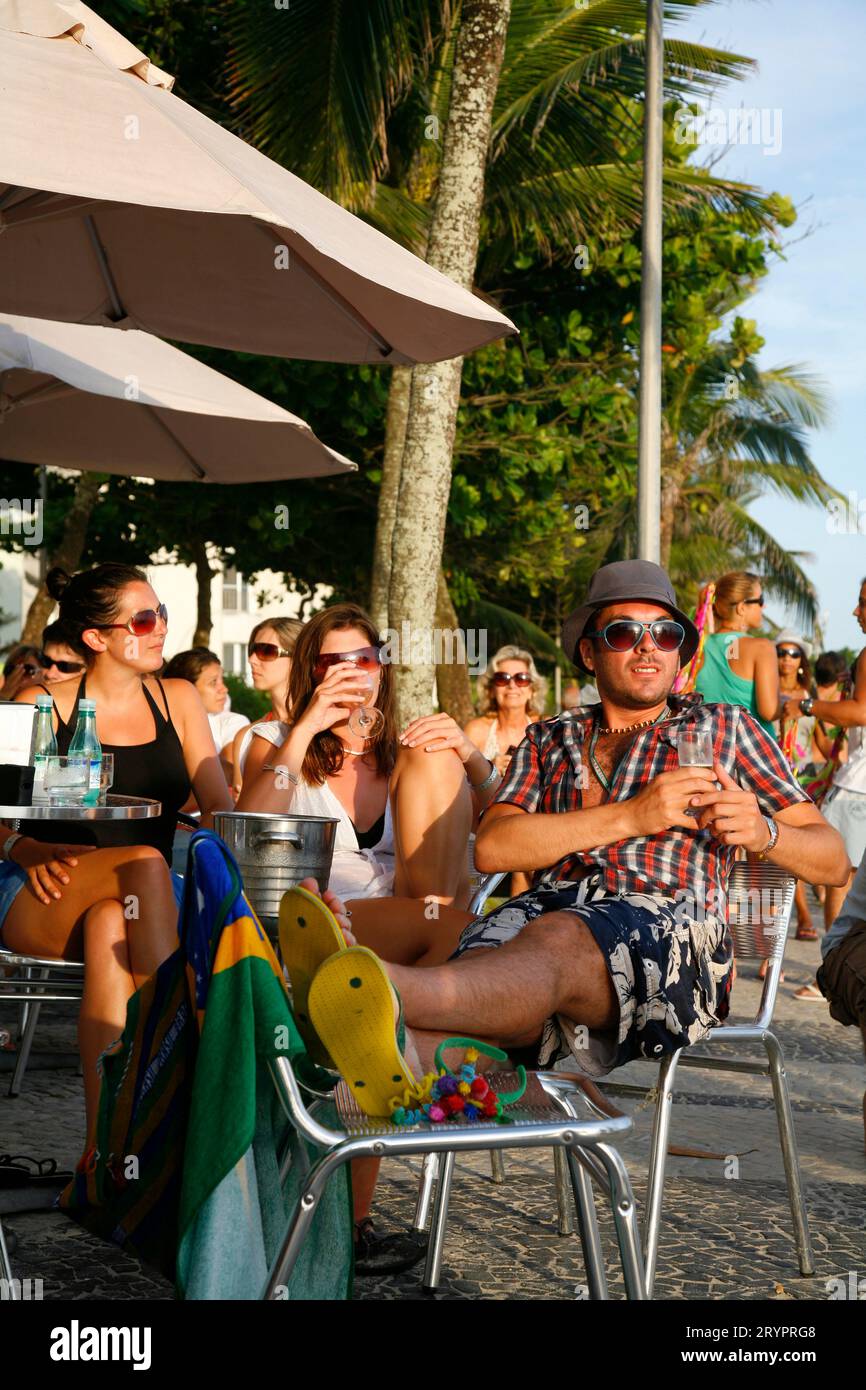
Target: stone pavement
726,1232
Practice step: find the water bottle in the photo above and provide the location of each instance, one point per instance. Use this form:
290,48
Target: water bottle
43,745
85,744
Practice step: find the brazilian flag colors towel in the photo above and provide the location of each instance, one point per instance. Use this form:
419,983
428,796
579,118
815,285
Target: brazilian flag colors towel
189,1096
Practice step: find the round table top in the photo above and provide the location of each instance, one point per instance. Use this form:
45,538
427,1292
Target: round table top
116,808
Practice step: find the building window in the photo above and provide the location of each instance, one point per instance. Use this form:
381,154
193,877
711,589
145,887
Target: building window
236,592
235,658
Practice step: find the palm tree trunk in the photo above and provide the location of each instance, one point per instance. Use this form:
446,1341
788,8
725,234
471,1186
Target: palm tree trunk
68,553
425,482
204,575
392,460
452,681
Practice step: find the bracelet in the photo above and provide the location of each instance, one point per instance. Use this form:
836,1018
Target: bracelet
292,776
488,780
8,843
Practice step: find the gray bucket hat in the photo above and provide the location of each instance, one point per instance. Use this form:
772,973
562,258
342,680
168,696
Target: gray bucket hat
623,580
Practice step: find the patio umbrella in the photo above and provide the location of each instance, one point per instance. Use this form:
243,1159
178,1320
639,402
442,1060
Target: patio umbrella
93,399
121,204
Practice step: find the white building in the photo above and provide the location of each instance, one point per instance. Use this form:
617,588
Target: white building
236,605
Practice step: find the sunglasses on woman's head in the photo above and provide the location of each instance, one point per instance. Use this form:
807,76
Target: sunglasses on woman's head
365,658
266,651
624,634
506,677
140,624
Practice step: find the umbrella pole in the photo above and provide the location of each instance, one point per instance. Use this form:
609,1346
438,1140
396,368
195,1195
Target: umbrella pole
650,402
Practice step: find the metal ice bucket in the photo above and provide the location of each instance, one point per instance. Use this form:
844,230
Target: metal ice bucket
276,852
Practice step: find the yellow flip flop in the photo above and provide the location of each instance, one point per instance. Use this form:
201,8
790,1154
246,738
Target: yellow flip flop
351,1005
309,934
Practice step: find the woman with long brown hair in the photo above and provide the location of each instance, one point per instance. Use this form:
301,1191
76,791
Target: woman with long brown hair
404,803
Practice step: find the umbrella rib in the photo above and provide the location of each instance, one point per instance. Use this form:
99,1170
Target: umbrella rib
105,269
196,467
335,297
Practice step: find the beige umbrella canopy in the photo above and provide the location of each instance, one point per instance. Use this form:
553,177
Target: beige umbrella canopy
121,204
94,399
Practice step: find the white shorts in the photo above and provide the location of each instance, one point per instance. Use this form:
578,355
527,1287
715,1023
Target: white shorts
846,812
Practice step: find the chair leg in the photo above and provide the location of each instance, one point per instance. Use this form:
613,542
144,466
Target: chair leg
657,1163
26,1043
790,1156
299,1226
497,1166
433,1267
10,1290
626,1223
590,1239
429,1174
564,1203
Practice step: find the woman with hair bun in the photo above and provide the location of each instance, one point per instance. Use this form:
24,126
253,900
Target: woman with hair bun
739,669
65,886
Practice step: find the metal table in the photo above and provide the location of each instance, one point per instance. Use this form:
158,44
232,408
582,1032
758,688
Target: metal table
116,808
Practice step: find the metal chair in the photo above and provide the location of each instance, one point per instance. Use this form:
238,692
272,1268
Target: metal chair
760,901
545,1120
40,980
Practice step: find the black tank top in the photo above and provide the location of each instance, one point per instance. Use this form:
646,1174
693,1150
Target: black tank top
155,770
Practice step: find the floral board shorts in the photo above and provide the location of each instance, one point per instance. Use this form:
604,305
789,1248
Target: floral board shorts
671,972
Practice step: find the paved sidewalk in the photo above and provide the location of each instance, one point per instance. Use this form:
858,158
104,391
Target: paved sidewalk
726,1232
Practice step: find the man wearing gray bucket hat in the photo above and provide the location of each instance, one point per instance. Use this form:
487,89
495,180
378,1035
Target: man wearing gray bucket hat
620,948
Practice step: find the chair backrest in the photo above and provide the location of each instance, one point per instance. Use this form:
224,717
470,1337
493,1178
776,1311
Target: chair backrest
760,903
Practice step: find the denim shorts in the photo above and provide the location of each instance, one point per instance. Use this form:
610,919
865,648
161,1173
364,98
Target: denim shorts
12,880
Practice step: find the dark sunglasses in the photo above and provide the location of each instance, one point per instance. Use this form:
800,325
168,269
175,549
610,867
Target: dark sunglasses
623,635
790,651
67,668
140,624
365,658
506,677
758,600
266,651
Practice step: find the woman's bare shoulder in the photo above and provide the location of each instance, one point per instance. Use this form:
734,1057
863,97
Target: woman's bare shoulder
479,727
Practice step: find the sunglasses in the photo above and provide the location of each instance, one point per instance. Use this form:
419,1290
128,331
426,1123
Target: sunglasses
266,651
506,677
758,600
623,635
365,658
789,651
66,668
140,624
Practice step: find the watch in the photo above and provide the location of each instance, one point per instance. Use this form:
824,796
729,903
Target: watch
806,705
773,828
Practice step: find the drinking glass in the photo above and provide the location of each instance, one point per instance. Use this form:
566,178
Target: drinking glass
106,777
366,721
66,780
695,749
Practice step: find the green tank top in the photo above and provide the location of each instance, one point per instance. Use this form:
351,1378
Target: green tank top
720,685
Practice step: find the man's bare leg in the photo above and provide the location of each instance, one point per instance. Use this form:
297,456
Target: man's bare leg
552,966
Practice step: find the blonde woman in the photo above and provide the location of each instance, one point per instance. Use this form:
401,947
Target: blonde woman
511,696
739,669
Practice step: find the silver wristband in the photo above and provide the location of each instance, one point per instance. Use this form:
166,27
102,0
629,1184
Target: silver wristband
488,780
281,768
10,840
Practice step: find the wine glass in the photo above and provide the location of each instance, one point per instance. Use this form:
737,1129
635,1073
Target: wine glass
367,721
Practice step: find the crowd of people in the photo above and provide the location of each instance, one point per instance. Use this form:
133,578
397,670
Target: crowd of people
601,829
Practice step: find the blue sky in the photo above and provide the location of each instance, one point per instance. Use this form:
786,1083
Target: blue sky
810,309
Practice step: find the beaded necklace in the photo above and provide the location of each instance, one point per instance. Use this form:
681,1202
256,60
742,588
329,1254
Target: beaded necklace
631,728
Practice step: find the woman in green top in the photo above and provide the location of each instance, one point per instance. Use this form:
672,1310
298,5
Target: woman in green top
738,669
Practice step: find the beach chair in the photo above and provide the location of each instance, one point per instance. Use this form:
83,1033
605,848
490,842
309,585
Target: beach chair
36,980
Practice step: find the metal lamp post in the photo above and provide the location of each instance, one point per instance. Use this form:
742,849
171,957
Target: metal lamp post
650,400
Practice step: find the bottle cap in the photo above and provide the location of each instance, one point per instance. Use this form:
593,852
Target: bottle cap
44,701
86,706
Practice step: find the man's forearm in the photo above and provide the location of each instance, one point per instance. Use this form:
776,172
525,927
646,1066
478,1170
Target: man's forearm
850,714
815,853
539,839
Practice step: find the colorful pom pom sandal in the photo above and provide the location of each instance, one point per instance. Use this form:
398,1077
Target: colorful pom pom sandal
352,1003
309,935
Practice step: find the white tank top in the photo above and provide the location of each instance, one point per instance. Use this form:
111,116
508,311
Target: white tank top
355,872
852,774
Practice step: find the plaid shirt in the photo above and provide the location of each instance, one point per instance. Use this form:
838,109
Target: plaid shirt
545,775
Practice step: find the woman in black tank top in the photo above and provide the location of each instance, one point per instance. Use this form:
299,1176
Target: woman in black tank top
102,892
